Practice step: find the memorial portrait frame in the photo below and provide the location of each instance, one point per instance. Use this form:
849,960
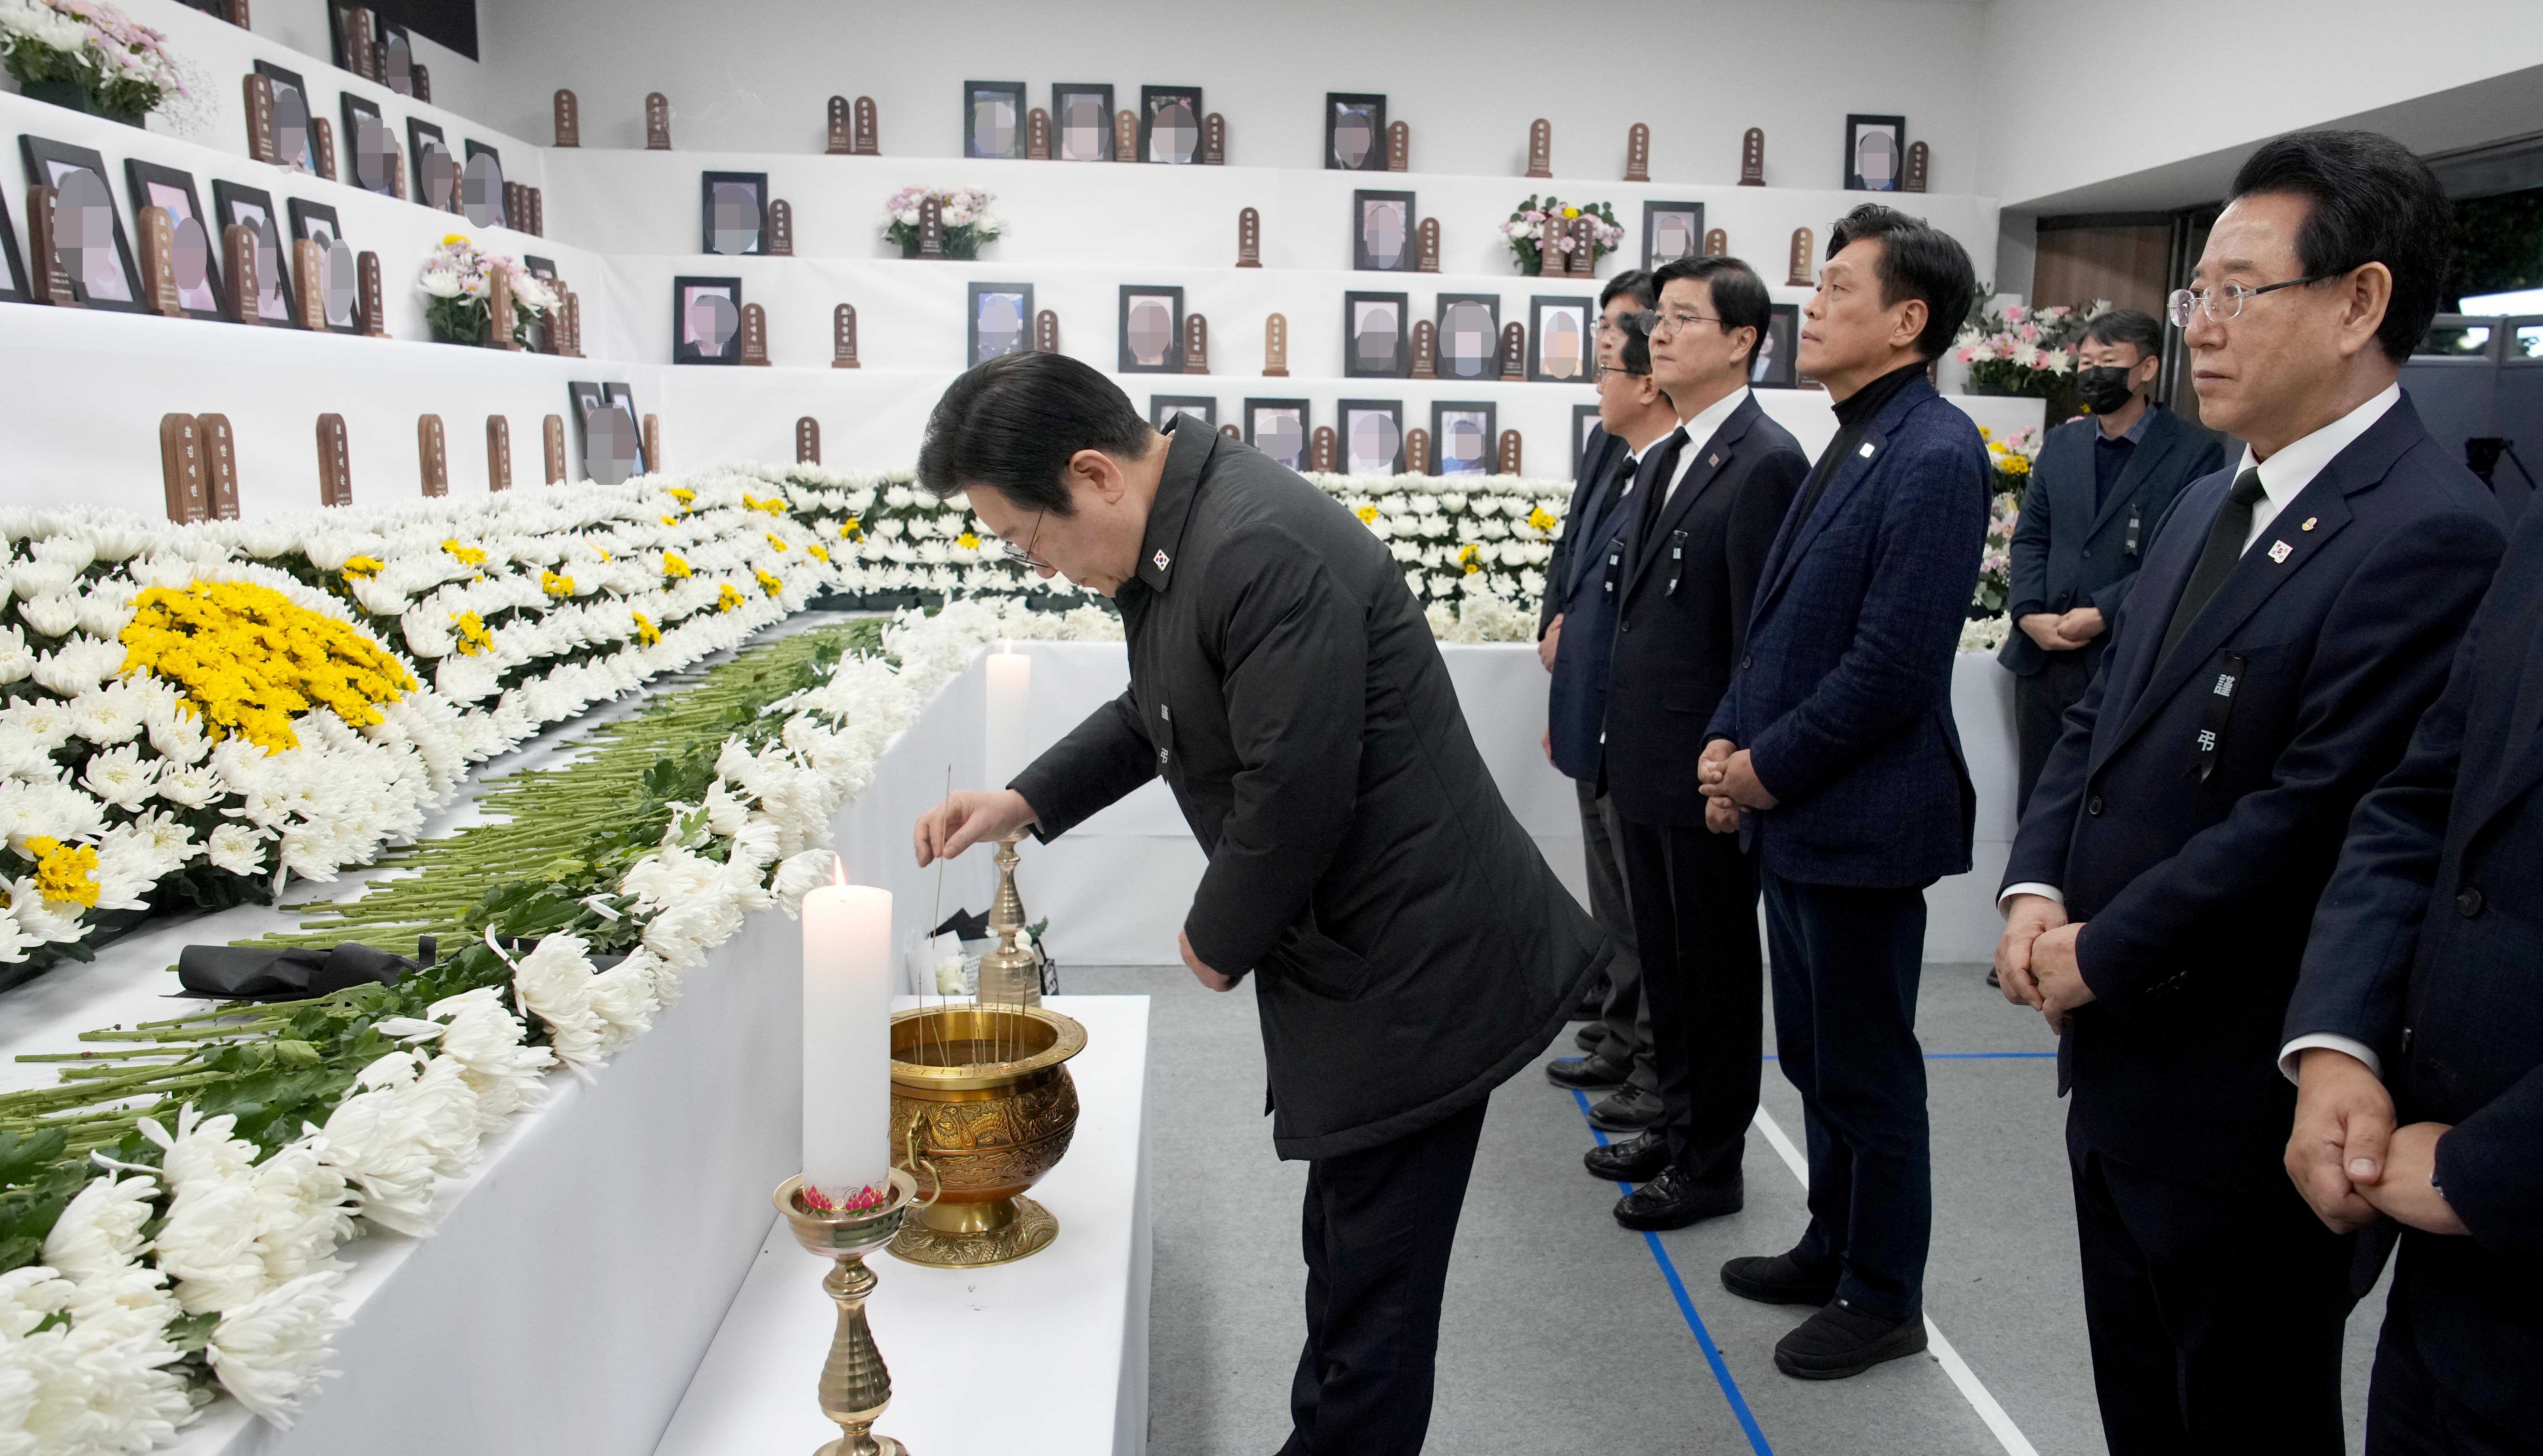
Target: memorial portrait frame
42,155
1103,91
1306,412
1489,368
1364,258
1778,366
280,78
1542,305
1653,212
228,197
1345,409
1857,124
1014,92
757,181
303,214
417,130
685,290
1163,406
973,293
13,268
139,177
1584,418
356,109
1151,99
1172,363
1401,364
1441,411
503,206
1339,103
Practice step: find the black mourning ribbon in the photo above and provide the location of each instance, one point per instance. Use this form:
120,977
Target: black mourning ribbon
2225,538
259,973
965,925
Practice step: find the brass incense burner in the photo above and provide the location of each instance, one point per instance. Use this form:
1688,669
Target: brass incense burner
855,1386
982,1107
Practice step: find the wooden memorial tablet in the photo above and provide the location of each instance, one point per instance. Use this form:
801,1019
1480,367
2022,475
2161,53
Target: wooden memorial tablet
1275,347
653,444
572,326
866,145
335,463
1037,135
423,76
309,285
235,12
658,121
1213,140
221,465
1551,260
1796,273
1540,148
1416,451
1584,260
1231,431
1638,153
808,441
370,300
1195,344
1508,462
1321,454
843,336
1426,350
781,229
43,239
1752,158
1249,238
931,227
361,49
1399,146
259,90
1918,159
498,453
551,447
1425,246
754,334
322,140
516,208
1514,353
238,273
1046,333
836,143
1125,136
1717,244
181,468
500,317
396,161
569,119
432,455
159,261
538,201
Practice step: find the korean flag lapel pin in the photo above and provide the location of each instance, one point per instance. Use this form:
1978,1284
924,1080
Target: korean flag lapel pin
2279,551
1160,559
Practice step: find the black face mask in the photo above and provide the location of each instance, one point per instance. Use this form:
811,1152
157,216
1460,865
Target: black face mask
2104,388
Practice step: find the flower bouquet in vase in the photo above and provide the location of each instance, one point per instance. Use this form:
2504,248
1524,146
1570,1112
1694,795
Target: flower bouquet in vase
2027,352
2010,458
457,279
968,222
1530,223
85,55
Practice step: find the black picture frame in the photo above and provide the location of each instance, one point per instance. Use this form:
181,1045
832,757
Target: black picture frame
753,189
233,203
50,163
1584,417
1266,424
13,268
1365,362
1446,413
418,133
624,394
1368,107
358,109
979,133
390,39
1858,126
689,343
307,158
583,400
1776,363
1163,406
335,48
974,342
1169,360
539,268
1099,94
1571,316
1455,312
317,223
1369,242
1655,214
153,186
1348,415
1152,101
499,206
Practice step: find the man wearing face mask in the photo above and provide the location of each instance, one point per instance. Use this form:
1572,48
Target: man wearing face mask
2098,489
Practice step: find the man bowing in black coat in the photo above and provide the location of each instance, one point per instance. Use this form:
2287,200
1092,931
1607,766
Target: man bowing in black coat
1414,947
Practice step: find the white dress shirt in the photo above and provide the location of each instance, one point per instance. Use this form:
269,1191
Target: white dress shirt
1700,430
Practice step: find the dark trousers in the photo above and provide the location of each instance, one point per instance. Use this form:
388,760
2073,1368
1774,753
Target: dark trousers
1625,1021
2409,1413
2039,704
1694,897
1845,970
1377,1228
2216,1314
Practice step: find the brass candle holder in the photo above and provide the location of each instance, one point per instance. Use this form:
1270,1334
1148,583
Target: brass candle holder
855,1384
1009,976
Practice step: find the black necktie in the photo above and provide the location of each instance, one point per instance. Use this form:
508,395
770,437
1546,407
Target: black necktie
2225,538
1654,479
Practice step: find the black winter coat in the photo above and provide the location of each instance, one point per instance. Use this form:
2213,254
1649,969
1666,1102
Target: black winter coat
1413,947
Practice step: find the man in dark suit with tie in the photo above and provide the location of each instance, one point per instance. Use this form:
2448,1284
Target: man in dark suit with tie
2097,491
2422,999
1835,743
1707,503
1632,413
2294,618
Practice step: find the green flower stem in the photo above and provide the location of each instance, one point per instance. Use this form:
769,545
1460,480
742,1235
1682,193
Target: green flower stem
84,1056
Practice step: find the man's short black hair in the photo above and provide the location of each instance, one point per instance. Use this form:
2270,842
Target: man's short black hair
1739,295
1013,422
1634,355
2127,326
1917,260
1632,281
2374,201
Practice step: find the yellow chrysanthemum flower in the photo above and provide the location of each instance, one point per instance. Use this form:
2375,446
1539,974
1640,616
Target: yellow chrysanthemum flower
471,634
359,567
65,873
1367,513
466,556
850,529
817,553
1543,519
726,598
646,632
767,582
673,566
775,541
967,541
556,584
683,495
249,659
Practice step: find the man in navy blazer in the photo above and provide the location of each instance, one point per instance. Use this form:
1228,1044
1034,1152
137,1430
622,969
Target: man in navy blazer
2292,621
1835,743
2099,488
2422,999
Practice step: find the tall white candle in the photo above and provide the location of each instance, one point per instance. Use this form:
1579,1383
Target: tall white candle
1010,696
847,1039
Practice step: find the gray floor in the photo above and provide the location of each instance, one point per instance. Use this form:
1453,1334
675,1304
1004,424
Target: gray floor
1561,1332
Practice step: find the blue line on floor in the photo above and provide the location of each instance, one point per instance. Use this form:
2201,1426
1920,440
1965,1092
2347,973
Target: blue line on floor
1694,1320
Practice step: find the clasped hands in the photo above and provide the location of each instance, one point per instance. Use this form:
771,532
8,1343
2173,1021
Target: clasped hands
2062,631
2035,960
1729,780
2348,1158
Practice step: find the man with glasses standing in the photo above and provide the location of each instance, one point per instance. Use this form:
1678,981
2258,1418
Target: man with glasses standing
1414,949
2294,618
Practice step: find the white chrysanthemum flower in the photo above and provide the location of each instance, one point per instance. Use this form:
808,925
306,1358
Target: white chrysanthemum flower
269,1351
477,1030
119,776
553,984
236,848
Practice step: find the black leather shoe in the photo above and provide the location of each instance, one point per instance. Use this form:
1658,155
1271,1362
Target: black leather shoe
1630,1109
1776,1280
1993,979
1591,1037
1591,1073
1675,1199
1634,1159
1592,1003
1838,1342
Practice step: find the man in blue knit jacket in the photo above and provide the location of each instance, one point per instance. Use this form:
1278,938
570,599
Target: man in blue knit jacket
1834,755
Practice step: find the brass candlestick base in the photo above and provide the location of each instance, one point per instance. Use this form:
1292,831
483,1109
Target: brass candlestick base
982,1107
1009,976
855,1384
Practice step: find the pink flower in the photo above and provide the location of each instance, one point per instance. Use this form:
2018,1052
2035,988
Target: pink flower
1965,353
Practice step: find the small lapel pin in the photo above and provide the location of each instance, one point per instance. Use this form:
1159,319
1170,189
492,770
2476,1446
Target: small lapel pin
1865,452
2308,523
1713,459
2279,551
1160,560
